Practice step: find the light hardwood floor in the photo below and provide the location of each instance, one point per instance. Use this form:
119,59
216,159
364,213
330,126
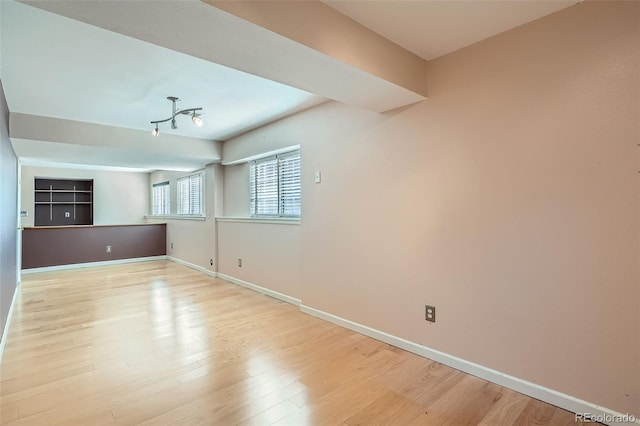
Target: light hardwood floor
158,343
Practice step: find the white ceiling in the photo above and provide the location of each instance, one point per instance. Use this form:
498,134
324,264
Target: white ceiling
58,67
55,66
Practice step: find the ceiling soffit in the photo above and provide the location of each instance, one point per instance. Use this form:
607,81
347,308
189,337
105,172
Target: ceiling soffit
207,32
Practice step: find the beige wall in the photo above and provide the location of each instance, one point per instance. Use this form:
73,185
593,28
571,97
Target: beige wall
193,240
270,254
509,200
236,190
118,197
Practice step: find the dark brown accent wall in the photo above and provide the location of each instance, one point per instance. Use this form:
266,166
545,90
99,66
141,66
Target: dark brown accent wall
66,245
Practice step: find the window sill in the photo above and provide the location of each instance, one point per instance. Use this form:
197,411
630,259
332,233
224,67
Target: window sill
273,220
174,217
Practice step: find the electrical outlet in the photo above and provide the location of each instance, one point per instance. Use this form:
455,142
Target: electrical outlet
430,313
171,246
240,263
108,249
211,262
67,214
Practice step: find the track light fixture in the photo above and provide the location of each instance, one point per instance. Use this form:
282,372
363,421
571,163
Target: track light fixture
175,112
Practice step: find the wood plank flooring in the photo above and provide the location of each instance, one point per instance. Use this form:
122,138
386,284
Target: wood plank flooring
157,343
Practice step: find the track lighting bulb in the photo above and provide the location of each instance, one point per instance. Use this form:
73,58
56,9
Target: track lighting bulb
155,131
196,119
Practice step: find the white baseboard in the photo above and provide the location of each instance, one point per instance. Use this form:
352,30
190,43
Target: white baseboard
193,266
254,287
263,290
533,390
242,283
91,264
5,332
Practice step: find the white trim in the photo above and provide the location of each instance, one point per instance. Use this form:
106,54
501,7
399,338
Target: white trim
276,221
92,167
533,390
174,217
214,274
91,264
5,332
262,155
242,283
263,290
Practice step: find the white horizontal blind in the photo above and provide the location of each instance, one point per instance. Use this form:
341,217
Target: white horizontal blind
195,194
160,199
183,195
190,190
275,185
264,187
289,165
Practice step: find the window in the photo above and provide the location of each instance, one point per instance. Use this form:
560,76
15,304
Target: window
275,185
160,199
190,190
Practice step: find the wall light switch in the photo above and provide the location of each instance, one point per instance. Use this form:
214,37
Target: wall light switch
318,177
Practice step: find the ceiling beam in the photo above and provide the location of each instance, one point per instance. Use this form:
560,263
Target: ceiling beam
38,139
200,30
324,29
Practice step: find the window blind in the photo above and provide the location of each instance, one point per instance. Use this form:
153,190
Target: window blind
160,199
275,185
190,190
289,184
264,188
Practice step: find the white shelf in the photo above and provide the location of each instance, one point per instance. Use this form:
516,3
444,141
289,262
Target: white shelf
63,202
66,191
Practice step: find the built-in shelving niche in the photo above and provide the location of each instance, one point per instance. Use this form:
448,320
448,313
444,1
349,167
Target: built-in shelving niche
60,202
